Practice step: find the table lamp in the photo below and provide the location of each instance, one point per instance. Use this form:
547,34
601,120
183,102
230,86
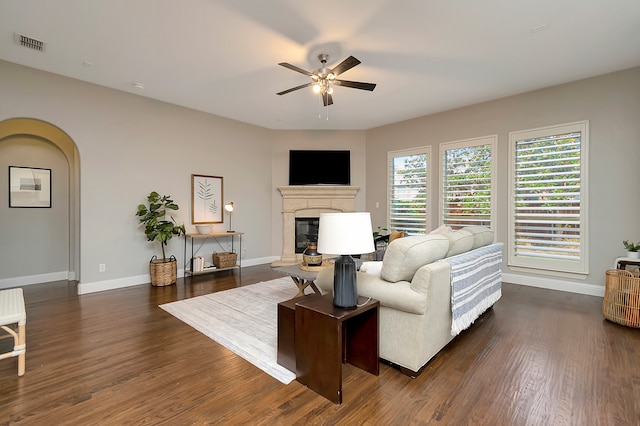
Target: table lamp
345,234
229,208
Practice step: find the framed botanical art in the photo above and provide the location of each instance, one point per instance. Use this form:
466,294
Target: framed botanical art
29,187
206,199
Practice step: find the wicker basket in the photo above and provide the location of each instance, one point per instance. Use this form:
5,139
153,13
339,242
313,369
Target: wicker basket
225,259
621,303
163,272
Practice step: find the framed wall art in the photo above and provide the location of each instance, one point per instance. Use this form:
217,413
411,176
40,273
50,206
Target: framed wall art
206,199
29,187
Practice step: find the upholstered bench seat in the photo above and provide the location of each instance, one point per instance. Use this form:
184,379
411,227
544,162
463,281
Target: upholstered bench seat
12,312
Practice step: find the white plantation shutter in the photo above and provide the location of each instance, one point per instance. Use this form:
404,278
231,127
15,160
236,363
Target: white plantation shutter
407,190
467,170
548,226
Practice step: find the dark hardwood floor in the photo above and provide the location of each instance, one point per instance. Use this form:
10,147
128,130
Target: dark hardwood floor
539,357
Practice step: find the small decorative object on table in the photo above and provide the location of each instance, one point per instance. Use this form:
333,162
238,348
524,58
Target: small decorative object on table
633,249
204,229
310,256
225,259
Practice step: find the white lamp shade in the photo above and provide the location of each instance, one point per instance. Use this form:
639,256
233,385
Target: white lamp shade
345,233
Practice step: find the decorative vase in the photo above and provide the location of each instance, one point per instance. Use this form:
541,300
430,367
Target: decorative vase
633,254
311,257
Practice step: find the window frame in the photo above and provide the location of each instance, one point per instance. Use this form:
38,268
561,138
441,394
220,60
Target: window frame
492,141
391,155
554,266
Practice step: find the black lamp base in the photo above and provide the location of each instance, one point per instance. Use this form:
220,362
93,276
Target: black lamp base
345,290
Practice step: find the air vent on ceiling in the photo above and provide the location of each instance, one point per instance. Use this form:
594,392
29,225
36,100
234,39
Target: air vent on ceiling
29,42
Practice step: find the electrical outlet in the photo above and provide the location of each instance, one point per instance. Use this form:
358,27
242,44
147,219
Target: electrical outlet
102,267
244,253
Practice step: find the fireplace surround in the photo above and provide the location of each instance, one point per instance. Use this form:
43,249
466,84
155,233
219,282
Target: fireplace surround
309,201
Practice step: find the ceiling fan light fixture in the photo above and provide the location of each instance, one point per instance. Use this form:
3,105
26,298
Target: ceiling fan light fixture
323,79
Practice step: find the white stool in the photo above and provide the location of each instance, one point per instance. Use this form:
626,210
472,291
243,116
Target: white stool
12,312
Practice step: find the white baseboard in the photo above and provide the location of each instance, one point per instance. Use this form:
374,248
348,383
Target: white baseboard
554,284
35,279
85,288
259,261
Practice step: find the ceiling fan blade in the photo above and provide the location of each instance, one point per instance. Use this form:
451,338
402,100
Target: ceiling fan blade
294,88
355,84
345,65
294,68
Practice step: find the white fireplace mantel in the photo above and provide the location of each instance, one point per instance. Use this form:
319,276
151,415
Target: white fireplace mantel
310,201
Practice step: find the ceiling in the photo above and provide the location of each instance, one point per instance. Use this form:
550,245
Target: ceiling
222,57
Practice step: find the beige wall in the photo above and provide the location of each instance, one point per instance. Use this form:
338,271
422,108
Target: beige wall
284,140
129,145
34,240
611,103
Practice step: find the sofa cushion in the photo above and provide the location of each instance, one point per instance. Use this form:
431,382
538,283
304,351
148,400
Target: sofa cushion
405,255
482,236
460,241
442,229
398,296
372,267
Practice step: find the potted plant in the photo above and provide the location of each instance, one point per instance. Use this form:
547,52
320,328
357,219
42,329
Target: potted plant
633,249
157,227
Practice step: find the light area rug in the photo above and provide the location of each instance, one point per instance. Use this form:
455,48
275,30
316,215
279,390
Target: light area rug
243,320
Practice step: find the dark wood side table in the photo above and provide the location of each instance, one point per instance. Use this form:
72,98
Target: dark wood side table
327,336
286,354
622,263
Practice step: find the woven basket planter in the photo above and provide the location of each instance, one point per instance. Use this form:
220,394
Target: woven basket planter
621,303
225,259
163,272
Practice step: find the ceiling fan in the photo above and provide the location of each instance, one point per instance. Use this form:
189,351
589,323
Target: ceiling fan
323,79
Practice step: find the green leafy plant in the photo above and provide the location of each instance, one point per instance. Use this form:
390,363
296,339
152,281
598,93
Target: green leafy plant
154,217
631,246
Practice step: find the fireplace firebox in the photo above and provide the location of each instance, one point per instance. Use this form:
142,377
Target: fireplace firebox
306,232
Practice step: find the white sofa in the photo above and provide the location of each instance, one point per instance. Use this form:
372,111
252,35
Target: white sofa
413,284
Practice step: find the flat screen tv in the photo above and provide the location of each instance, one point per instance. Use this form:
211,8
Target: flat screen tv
316,167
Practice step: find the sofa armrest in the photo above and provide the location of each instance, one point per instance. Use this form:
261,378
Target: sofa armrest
324,281
437,272
398,295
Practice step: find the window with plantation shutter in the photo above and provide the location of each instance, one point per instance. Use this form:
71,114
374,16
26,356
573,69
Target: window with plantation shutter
548,211
407,190
467,169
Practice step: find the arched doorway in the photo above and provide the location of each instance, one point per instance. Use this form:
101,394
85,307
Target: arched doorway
31,235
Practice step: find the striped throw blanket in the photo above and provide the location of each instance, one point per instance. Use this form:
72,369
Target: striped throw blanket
476,284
